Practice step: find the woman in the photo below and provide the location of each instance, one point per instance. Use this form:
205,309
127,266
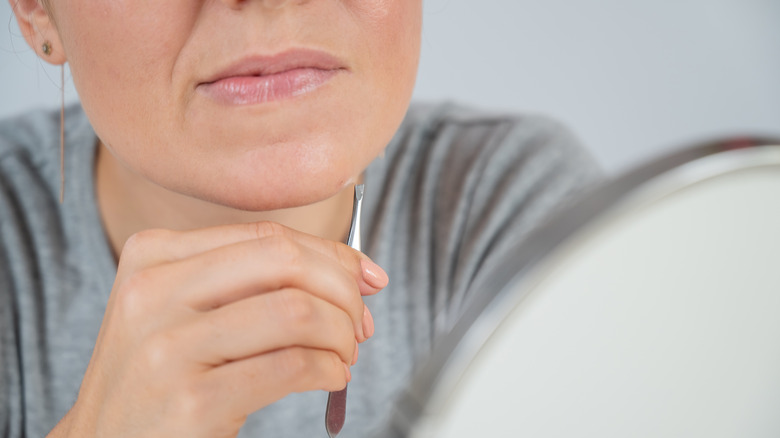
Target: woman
193,283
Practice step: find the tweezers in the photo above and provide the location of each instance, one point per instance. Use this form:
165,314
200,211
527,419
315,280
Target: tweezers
336,409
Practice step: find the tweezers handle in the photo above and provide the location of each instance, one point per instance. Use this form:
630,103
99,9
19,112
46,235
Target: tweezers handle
336,409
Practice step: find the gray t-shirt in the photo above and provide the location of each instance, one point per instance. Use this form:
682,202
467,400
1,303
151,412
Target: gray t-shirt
455,189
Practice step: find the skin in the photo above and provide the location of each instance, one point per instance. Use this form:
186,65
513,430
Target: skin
226,218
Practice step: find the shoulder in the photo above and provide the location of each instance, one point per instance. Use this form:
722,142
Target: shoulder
30,133
460,186
32,219
28,165
30,147
460,151
35,134
448,121
463,139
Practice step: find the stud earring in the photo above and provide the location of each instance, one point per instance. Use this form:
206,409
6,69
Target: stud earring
46,48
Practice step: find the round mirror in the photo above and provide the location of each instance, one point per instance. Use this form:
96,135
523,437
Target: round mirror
649,309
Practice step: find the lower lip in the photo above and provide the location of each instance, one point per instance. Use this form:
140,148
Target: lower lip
249,90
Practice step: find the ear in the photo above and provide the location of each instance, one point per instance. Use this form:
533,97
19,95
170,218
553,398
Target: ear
38,27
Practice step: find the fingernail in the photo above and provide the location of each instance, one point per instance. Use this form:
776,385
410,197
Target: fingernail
348,373
355,356
373,275
368,323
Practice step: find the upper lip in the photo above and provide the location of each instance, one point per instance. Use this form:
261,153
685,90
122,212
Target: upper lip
263,65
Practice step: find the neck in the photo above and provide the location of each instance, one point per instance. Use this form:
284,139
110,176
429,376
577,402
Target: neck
130,203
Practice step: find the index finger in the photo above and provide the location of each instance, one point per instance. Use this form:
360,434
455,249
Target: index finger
166,246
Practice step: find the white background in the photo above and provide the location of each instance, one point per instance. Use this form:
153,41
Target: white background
632,78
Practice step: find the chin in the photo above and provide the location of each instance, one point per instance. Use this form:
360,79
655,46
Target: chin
262,194
274,201
287,175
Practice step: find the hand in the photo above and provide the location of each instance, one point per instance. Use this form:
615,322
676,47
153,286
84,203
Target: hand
205,327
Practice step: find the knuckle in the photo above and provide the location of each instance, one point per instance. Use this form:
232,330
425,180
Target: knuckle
308,369
289,253
293,364
143,240
158,352
267,229
349,259
133,297
346,256
332,377
297,308
193,401
349,293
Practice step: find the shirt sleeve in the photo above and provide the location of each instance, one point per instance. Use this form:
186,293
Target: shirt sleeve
11,400
516,173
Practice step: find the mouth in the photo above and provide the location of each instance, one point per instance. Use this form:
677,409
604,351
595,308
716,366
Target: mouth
263,79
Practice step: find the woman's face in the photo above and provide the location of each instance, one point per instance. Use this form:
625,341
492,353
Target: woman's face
252,104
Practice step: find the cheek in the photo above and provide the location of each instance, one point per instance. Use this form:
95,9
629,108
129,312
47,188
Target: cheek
375,10
393,45
393,25
121,54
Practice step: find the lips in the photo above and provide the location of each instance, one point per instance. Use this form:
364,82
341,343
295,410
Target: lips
262,79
